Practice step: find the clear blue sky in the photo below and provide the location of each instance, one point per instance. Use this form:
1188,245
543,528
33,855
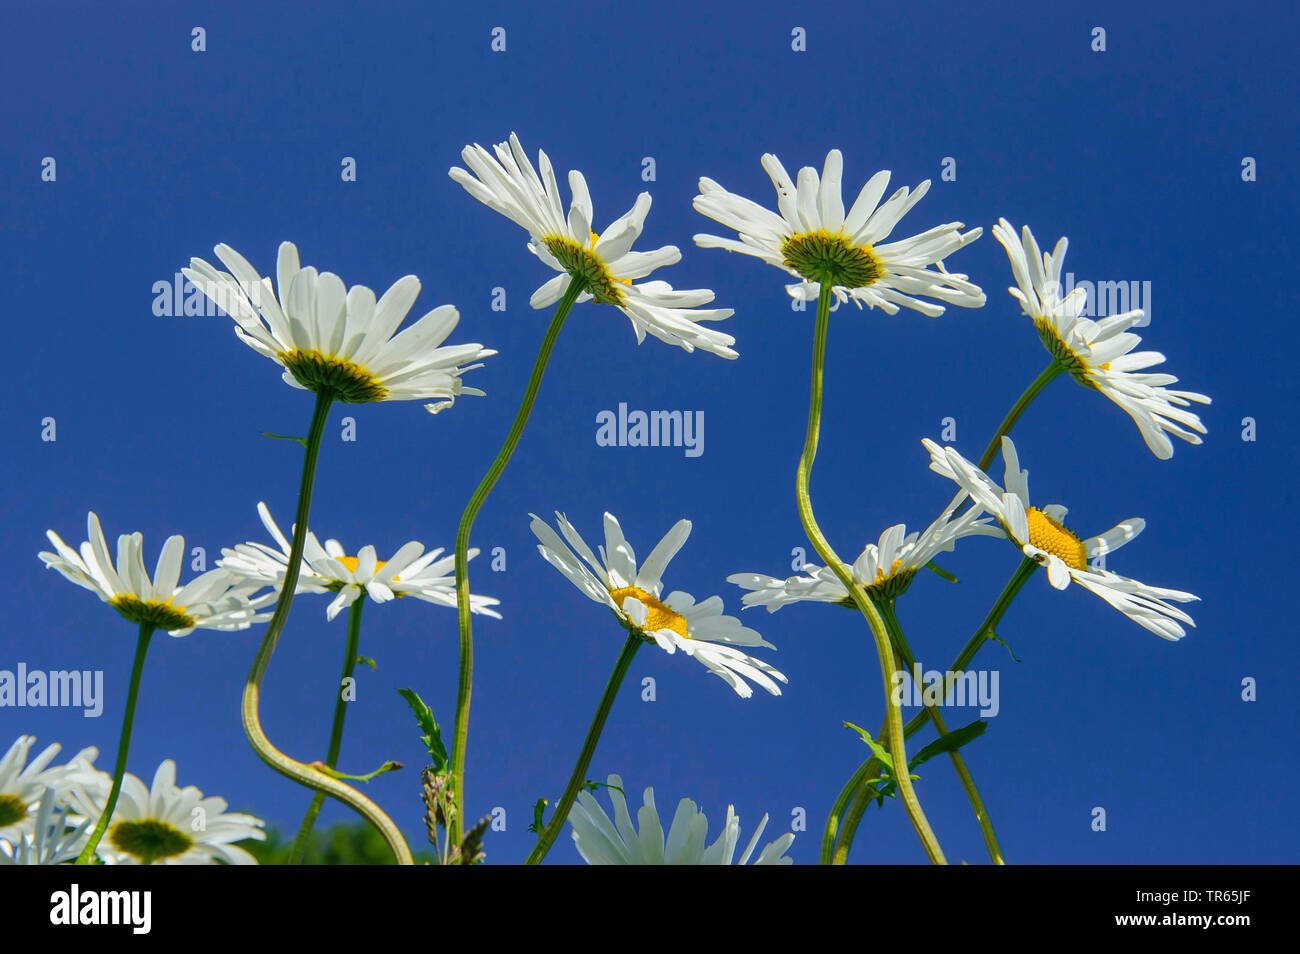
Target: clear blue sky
1134,153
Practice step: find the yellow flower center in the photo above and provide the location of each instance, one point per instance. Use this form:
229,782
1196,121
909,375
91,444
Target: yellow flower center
149,839
586,267
325,374
12,810
1046,534
831,259
658,616
160,614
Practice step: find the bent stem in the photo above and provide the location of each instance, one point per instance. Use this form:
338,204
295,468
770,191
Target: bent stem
579,775
123,746
286,766
336,730
871,767
466,673
879,633
1013,415
958,762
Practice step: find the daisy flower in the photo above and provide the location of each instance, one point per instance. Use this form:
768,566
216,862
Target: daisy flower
1041,535
618,842
813,239
170,825
676,622
335,340
605,264
22,784
1098,354
409,572
214,600
884,569
53,840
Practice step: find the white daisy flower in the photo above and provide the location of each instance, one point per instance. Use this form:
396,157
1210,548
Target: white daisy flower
605,263
816,241
409,572
338,340
1042,536
677,622
165,824
1098,354
22,783
214,600
55,838
884,569
618,842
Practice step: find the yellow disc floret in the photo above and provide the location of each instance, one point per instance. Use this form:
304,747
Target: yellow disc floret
1050,536
149,840
658,616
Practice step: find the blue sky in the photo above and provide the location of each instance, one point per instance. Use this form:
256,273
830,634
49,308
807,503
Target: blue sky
1135,153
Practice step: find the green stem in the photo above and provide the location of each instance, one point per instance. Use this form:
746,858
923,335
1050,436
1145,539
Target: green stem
336,730
881,637
958,762
830,834
1013,415
286,766
123,746
466,674
871,768
579,774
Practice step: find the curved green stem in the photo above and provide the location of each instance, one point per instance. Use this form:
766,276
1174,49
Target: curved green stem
286,766
958,762
336,730
1013,415
579,774
870,768
832,830
123,746
883,649
466,674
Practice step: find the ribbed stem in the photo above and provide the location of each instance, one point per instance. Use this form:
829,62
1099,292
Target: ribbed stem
336,729
123,746
290,768
579,774
465,678
879,634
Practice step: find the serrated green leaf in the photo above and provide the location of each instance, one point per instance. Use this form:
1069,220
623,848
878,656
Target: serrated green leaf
877,749
539,822
367,661
432,737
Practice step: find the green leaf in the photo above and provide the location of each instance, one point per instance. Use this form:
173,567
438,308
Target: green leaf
998,639
285,437
368,661
432,737
877,749
940,571
949,743
539,822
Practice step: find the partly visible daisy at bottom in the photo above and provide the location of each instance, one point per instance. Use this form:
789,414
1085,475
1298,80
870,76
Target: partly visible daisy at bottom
165,824
700,630
601,841
1041,535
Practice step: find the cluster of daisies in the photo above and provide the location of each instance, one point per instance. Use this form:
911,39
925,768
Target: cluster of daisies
47,811
343,344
